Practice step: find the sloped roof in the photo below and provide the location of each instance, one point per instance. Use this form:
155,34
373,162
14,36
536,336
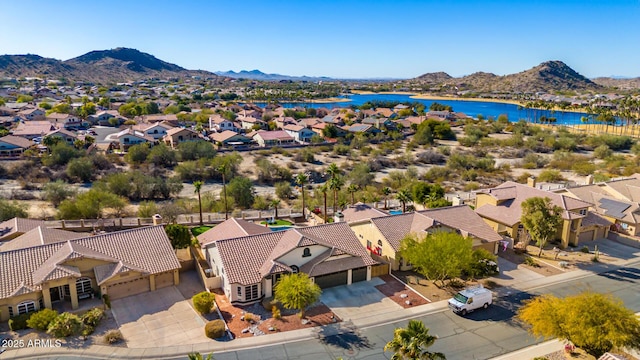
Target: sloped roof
40,236
176,130
147,248
17,141
226,135
18,225
361,211
274,135
629,188
247,259
33,128
513,194
395,227
231,228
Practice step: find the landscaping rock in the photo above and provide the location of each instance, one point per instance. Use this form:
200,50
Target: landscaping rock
404,296
304,321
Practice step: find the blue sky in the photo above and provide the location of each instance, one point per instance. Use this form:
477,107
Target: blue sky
348,39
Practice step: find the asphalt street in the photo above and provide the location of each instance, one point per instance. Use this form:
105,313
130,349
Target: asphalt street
483,334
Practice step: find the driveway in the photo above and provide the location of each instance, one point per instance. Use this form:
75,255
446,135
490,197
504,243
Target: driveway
359,300
159,318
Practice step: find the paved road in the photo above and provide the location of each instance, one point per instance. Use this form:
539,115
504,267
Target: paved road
480,335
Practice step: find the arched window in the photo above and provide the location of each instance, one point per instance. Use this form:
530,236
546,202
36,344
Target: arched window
306,252
26,307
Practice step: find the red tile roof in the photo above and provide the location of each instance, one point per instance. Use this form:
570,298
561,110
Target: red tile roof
231,228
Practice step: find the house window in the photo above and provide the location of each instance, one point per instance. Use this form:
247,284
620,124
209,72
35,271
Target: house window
251,292
83,285
10,311
368,244
26,307
306,252
155,131
239,291
276,278
583,212
41,303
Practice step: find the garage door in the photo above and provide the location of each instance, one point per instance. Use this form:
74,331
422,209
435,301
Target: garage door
600,232
330,280
359,275
128,288
164,280
586,236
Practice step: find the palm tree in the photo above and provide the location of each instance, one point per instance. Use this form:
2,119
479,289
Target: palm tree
222,169
335,184
275,203
198,185
352,190
386,191
333,170
302,179
198,356
412,343
324,189
404,196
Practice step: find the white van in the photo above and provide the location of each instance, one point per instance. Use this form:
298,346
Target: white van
470,299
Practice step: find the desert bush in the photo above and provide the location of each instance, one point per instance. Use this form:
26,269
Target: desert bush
583,168
456,283
585,249
66,324
203,302
214,329
531,261
92,317
614,142
550,176
471,186
113,337
41,319
602,152
19,322
430,157
533,161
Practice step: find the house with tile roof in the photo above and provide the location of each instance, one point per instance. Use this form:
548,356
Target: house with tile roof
33,129
117,264
11,146
155,130
272,138
299,133
228,138
219,124
63,134
501,208
66,121
382,236
360,211
40,235
32,114
249,266
177,135
231,228
129,137
15,227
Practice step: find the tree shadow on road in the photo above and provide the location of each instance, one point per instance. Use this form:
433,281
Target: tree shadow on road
342,335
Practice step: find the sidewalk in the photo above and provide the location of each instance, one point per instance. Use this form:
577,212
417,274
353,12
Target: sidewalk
98,351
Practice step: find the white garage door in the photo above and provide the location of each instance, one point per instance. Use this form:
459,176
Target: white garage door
128,288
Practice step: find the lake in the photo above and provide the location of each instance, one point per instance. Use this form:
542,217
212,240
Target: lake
471,108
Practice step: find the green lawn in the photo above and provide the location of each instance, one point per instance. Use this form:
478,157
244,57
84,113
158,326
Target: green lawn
279,223
199,230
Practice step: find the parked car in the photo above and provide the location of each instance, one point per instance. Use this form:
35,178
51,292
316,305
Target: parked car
471,299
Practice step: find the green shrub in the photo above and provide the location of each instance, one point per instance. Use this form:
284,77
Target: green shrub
106,300
214,329
87,330
66,324
203,302
602,152
41,319
113,336
19,322
550,176
92,317
531,262
456,283
585,249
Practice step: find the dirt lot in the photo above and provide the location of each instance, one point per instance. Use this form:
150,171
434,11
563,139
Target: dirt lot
426,287
399,293
262,320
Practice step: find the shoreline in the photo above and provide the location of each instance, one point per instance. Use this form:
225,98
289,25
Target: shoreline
435,97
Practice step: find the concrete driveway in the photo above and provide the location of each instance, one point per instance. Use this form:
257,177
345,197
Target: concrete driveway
359,300
159,318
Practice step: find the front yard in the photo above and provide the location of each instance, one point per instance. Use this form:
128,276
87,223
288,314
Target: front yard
256,320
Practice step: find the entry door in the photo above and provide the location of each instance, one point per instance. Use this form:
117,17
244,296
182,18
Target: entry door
55,294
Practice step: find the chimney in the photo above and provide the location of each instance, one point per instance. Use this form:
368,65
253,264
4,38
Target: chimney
456,200
338,217
531,181
157,219
589,180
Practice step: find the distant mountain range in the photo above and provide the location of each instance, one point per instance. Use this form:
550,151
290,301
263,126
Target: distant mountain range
124,65
259,75
105,66
546,77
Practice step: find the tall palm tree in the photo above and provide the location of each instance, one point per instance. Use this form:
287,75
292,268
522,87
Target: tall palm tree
386,191
335,184
301,179
333,170
198,185
412,343
324,189
404,196
222,169
198,356
352,190
275,203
